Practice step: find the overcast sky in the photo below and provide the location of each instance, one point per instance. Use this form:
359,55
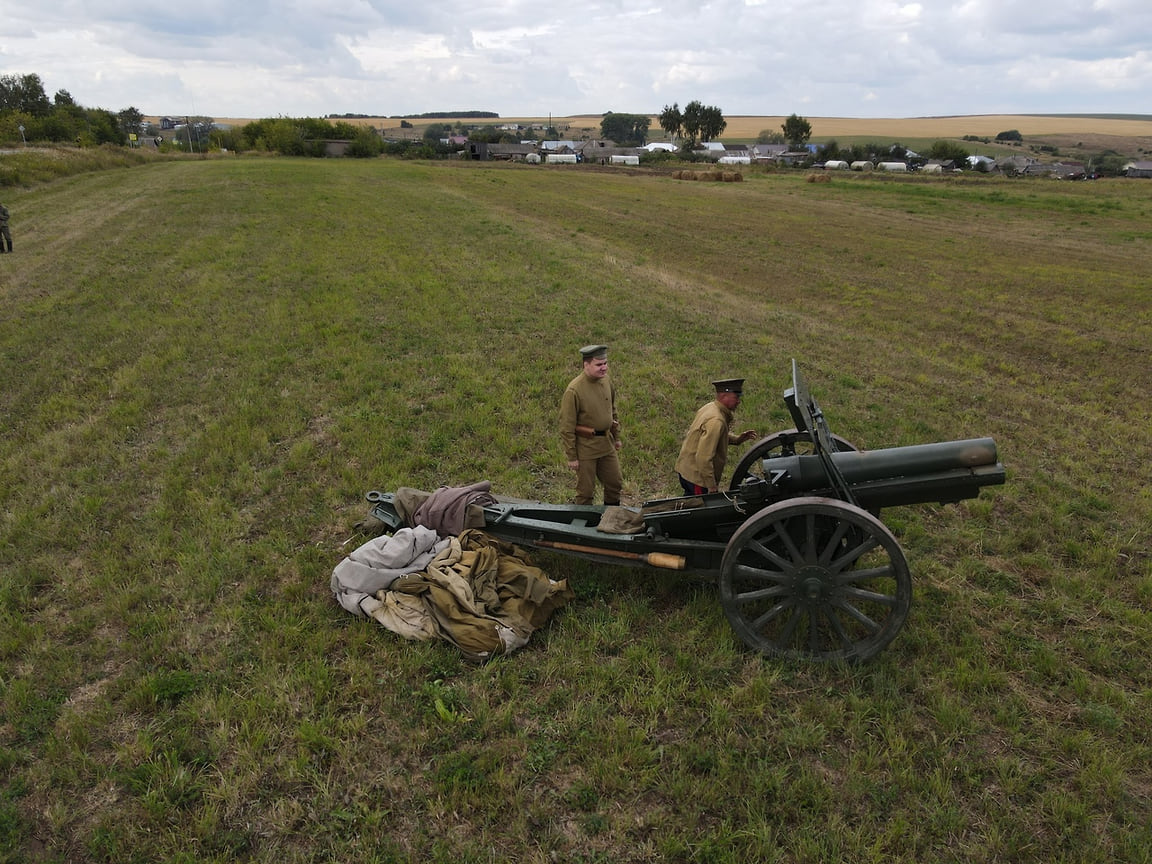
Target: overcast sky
310,58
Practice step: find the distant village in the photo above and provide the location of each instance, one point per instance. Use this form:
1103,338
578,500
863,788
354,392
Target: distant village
601,151
604,152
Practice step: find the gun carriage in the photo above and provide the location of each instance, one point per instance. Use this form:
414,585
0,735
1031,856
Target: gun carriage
805,567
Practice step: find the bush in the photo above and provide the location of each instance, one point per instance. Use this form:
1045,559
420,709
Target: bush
366,145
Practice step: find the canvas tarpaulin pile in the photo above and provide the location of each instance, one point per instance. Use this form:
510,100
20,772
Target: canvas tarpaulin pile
475,591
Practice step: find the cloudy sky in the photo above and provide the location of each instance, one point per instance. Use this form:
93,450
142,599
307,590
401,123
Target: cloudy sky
310,58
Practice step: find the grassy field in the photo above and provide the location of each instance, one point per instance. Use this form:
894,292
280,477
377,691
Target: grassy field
206,365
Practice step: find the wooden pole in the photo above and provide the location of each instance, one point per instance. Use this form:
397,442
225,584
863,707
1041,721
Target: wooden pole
652,559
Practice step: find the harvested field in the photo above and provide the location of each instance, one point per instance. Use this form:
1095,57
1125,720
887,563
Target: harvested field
749,126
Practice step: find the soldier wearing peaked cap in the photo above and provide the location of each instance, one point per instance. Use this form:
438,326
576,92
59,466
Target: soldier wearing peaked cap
590,428
704,452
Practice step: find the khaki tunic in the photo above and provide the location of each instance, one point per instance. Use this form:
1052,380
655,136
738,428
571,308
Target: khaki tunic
705,450
588,402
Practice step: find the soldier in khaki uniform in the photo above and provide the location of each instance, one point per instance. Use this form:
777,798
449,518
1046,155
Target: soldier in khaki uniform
5,234
704,452
590,428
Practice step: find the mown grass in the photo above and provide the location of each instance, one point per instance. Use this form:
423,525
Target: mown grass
206,364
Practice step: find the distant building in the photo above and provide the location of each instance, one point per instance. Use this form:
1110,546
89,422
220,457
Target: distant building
767,152
483,151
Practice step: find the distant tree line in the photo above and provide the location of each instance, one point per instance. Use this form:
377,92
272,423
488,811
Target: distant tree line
441,115
23,103
881,152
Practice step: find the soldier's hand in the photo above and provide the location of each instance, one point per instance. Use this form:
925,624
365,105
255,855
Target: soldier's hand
748,436
574,464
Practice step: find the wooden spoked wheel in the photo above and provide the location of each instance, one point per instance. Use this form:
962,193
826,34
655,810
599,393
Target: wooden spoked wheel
790,442
815,579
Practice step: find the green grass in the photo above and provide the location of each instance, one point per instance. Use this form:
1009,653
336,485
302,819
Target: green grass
27,166
207,363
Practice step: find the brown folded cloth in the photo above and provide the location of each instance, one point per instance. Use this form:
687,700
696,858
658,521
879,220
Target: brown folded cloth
621,520
451,509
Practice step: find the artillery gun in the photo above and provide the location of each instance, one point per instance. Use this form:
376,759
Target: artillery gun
805,567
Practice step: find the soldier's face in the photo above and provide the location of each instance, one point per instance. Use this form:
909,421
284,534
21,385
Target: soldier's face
597,367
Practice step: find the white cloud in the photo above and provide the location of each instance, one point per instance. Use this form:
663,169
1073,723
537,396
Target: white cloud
314,57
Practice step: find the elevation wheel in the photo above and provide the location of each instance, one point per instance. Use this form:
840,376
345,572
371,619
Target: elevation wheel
790,442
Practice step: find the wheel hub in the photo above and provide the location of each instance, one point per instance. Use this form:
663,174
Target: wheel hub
813,583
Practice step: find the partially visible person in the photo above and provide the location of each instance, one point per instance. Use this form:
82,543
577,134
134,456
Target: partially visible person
704,452
590,428
5,234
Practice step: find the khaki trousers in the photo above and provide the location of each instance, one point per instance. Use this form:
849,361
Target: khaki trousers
606,469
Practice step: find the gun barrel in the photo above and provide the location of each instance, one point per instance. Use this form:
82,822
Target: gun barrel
941,472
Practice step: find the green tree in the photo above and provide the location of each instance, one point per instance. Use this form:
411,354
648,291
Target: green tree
100,127
24,93
1010,135
433,132
692,120
281,135
712,123
1109,163
830,150
227,139
625,128
702,122
131,121
672,121
770,136
796,131
366,144
948,150
485,134
342,130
